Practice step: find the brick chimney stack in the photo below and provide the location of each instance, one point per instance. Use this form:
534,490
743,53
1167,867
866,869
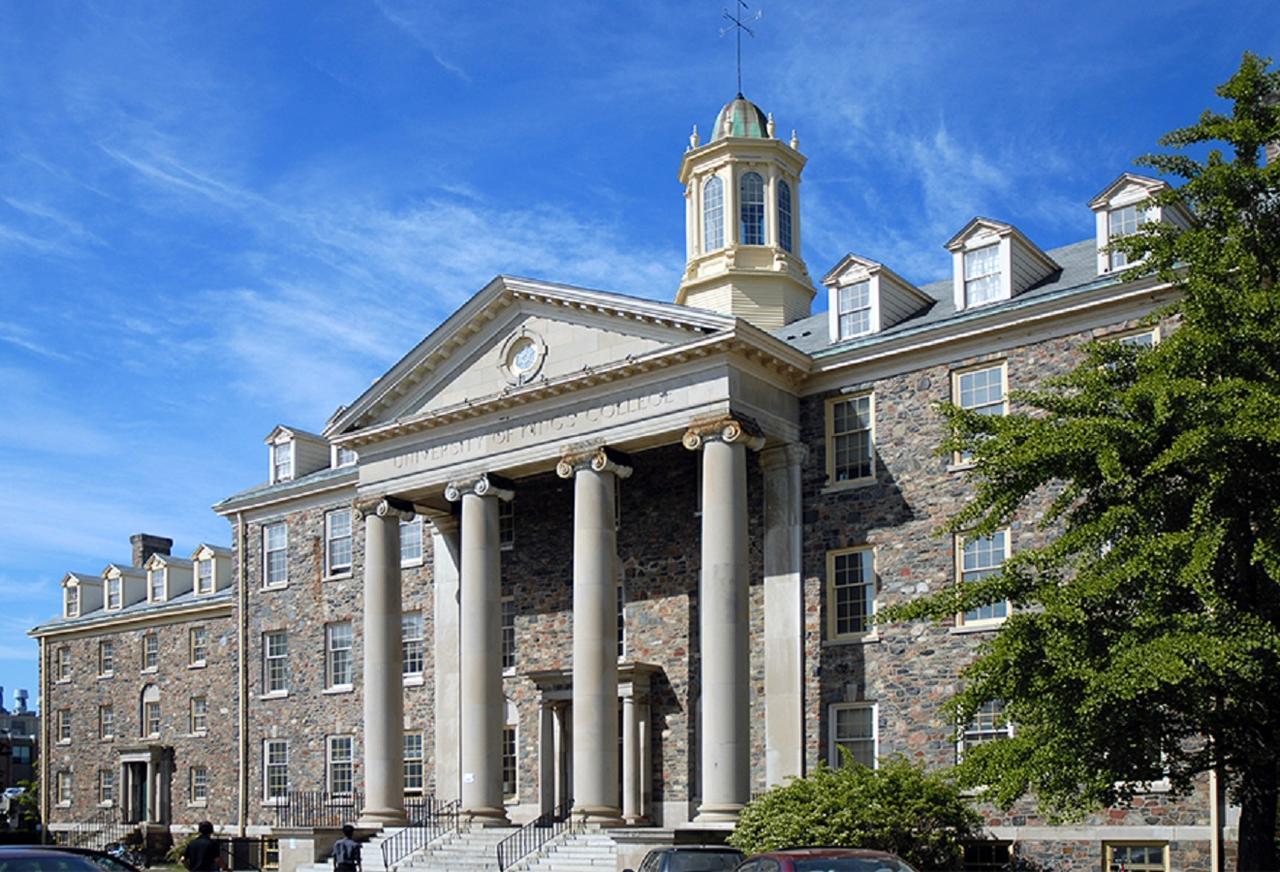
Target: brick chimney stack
144,545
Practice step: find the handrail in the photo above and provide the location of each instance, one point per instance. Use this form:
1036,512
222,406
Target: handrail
316,808
82,833
535,834
428,820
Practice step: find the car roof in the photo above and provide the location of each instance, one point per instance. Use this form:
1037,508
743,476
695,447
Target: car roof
719,849
825,852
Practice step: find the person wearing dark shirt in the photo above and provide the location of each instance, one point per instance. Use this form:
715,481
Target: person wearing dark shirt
346,851
203,853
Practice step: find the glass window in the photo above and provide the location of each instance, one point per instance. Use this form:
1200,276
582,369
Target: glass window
338,662
979,390
282,461
851,591
157,585
199,783
346,456
63,785
106,657
1140,339
337,537
275,554
784,215
64,663
199,714
113,593
853,726
270,854
508,632
987,857
411,541
106,786
979,558
850,439
275,769
412,643
988,725
72,594
1151,857
982,275
106,722
150,651
413,757
751,209
151,718
713,214
1122,222
506,524
199,645
204,576
341,761
275,661
853,309
64,725
622,620
509,762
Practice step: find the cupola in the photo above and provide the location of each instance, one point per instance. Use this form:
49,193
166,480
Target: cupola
742,217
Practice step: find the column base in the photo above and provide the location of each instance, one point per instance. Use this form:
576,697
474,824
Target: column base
377,818
722,812
599,815
484,817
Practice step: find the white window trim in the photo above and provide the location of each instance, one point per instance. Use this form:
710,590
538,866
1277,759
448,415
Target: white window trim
336,459
150,634
266,554
191,716
962,625
421,639
331,686
829,445
267,659
422,544
343,571
1009,729
833,757
192,661
67,610
1122,335
267,798
61,659
213,577
105,734
118,584
421,760
164,585
106,673
958,462
507,508
193,801
873,307
293,460
515,643
829,587
329,762
982,237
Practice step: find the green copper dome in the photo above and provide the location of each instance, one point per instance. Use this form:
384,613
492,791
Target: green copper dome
744,119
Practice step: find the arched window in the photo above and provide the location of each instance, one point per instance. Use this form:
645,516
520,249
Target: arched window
751,196
784,215
712,214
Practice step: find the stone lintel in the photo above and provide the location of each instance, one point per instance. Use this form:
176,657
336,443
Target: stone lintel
484,484
724,428
600,458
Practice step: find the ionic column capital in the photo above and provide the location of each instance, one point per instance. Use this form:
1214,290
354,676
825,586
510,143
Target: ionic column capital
387,507
483,485
724,429
598,459
782,456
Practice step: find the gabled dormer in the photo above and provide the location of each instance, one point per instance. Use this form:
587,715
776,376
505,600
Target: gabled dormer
864,297
293,453
211,567
81,594
167,577
123,586
994,261
1121,208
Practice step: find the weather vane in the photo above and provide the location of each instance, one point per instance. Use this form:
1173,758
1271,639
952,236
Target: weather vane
739,25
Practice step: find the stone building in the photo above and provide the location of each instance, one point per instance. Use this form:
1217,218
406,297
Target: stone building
582,550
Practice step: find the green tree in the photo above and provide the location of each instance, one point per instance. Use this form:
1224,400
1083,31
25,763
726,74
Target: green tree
1145,636
917,814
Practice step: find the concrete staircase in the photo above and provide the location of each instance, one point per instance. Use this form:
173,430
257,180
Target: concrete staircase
473,850
589,850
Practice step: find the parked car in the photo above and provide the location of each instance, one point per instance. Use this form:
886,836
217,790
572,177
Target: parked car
690,858
825,860
31,859
13,792
104,860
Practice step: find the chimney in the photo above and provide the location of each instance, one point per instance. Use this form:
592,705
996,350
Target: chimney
144,545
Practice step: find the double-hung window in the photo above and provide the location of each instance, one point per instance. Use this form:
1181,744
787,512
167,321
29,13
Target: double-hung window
150,652
509,762
853,309
982,390
412,643
712,214
1123,222
988,725
199,715
851,592
275,661
506,524
106,722
977,558
204,576
751,209
982,275
411,542
853,728
151,718
851,439
338,662
275,769
199,645
337,538
113,594
784,215
157,585
413,757
64,725
106,657
72,601
345,456
1137,857
282,461
275,554
64,663
198,784
341,762
106,786
62,785
508,632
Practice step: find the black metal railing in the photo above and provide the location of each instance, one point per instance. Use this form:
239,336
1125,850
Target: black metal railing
316,808
243,853
535,834
429,819
96,832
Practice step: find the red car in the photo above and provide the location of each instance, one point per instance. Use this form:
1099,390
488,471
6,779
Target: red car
825,860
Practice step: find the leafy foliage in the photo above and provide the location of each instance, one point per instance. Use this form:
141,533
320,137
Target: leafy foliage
1145,636
919,815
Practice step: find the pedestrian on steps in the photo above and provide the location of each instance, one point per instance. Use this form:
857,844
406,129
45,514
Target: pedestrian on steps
346,852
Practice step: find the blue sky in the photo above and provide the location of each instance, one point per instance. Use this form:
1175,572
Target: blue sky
219,217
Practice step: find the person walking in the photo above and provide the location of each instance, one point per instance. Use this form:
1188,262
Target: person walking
346,852
203,853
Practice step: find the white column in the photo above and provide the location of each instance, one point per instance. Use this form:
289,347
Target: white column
595,634
481,714
631,790
722,620
783,614
383,682
445,557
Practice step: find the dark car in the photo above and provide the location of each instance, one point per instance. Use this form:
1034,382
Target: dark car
32,859
825,860
101,859
690,858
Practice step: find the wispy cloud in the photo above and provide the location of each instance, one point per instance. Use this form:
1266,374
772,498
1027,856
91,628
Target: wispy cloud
418,33
26,338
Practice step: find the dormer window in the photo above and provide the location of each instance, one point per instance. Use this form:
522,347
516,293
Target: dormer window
156,580
712,215
981,275
282,461
344,456
784,215
72,601
113,593
853,308
1123,222
751,209
1122,208
204,576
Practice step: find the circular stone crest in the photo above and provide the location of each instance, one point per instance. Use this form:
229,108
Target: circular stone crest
522,356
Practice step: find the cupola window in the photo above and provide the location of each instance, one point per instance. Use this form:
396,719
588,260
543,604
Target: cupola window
751,194
981,275
712,215
784,215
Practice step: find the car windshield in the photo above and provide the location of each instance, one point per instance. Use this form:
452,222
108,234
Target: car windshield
851,864
703,861
45,863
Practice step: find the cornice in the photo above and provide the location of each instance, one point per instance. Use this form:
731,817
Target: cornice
221,607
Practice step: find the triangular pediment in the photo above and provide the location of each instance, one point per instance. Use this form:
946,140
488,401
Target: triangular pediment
515,334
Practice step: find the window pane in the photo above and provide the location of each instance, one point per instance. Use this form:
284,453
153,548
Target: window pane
411,541
338,537
339,650
508,633
982,275
713,214
980,558
851,439
751,208
854,728
784,215
413,646
853,592
275,554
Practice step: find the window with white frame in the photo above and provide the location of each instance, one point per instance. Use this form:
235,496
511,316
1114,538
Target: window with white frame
198,784
413,762
64,725
275,769
337,542
156,577
199,645
106,786
275,554
106,657
853,309
199,715
851,439
851,592
751,209
150,652
64,663
71,601
339,666
712,214
988,725
113,594
1137,856
982,275
344,456
62,786
979,557
106,722
282,461
506,524
784,215
508,632
510,773
151,718
340,765
853,727
411,542
1123,222
204,576
982,390
275,661
413,645
1146,337
622,619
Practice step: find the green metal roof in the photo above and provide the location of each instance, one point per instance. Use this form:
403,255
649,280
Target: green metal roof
745,119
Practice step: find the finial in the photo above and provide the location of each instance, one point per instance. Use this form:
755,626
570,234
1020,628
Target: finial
728,125
795,141
693,137
770,126
738,25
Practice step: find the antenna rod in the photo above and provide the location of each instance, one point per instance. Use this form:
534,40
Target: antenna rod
739,27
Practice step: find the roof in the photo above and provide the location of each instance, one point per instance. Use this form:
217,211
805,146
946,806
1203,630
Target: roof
1079,262
744,119
295,432
300,483
138,609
